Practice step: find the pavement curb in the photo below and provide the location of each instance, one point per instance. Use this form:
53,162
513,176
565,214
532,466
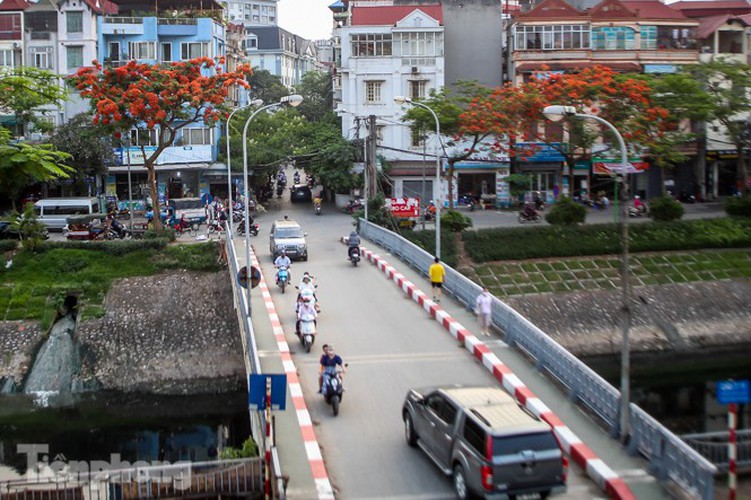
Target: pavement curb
312,448
579,452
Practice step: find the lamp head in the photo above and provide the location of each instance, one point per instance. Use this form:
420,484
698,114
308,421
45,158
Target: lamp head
256,102
293,100
402,100
557,112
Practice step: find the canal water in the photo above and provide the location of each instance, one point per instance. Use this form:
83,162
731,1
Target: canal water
137,427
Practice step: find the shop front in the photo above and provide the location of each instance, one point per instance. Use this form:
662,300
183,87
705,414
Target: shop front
542,162
478,181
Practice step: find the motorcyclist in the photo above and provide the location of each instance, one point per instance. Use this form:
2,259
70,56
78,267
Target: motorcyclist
282,261
353,241
305,308
297,177
639,205
529,210
329,361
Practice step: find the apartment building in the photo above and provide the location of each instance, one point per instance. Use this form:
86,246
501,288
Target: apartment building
281,53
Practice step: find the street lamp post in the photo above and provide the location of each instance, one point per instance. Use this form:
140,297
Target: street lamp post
407,100
256,102
294,101
556,113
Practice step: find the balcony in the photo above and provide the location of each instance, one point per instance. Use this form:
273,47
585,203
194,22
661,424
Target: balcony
179,26
122,26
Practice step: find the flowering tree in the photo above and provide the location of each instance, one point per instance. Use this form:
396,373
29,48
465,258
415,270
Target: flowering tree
623,100
163,98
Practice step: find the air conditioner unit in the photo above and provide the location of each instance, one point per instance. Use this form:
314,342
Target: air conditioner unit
415,69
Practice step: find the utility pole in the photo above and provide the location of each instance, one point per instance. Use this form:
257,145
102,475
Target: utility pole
371,165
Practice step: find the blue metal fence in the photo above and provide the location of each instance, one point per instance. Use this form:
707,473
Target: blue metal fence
669,457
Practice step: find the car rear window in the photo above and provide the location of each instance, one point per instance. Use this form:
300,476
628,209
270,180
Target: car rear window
289,232
509,445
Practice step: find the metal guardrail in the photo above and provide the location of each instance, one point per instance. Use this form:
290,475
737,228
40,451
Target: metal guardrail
668,456
252,361
237,477
714,447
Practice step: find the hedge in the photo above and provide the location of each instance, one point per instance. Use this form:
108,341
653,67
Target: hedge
426,241
8,245
602,239
114,247
738,206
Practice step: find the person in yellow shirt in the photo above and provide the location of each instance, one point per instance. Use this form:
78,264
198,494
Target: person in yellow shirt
436,273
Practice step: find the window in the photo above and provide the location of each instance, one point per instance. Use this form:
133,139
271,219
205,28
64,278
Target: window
441,408
379,133
420,44
142,50
649,37
41,60
373,92
195,137
418,137
140,137
474,436
74,22
557,37
371,44
165,52
113,51
613,38
252,42
74,56
417,89
191,50
6,58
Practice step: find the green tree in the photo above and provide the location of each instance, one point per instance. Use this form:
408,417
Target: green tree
323,151
89,145
726,83
449,106
22,164
317,89
31,231
25,91
265,86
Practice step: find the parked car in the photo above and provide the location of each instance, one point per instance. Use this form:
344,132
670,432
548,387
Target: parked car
492,446
300,192
287,235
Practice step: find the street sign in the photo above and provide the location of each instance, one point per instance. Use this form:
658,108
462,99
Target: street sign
733,391
257,391
242,277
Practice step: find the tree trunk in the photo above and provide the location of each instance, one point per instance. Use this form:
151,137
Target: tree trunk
741,168
154,189
450,172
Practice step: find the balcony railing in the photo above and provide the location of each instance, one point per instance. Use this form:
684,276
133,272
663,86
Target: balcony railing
179,21
123,20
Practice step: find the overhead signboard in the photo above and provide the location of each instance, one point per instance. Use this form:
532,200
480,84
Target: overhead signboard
404,207
612,166
733,391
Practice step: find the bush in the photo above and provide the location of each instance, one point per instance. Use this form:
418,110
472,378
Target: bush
249,449
602,239
115,247
8,245
665,209
738,206
566,212
426,241
455,221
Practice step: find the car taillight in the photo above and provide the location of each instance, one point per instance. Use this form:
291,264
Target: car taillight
486,471
565,468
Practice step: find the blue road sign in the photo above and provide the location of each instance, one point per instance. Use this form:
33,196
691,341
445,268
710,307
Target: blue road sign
257,391
733,391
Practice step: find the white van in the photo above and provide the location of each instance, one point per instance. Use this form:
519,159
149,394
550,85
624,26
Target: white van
53,212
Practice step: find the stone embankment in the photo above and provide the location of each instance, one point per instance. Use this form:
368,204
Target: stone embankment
177,333
173,333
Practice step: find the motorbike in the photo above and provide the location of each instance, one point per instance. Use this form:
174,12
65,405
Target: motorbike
529,216
297,178
354,255
354,205
307,331
238,215
254,227
637,212
216,226
332,388
87,227
686,197
119,230
181,225
317,208
279,190
282,278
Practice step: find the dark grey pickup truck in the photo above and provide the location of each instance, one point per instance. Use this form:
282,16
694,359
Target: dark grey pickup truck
491,446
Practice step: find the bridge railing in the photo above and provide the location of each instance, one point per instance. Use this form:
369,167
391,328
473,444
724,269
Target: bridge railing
714,447
668,456
252,361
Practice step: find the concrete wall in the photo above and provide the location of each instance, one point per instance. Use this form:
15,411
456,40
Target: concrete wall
472,42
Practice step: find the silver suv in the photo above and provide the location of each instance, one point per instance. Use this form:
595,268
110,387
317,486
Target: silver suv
287,235
492,446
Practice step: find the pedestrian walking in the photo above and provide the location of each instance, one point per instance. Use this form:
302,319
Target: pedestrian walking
436,273
483,309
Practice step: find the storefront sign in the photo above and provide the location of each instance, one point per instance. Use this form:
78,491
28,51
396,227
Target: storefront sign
136,155
535,152
404,207
502,190
611,166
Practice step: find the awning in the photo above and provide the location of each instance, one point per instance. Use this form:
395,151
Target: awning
528,67
172,167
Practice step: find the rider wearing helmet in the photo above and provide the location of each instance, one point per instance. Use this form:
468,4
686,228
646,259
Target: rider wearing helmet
283,261
304,307
353,241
